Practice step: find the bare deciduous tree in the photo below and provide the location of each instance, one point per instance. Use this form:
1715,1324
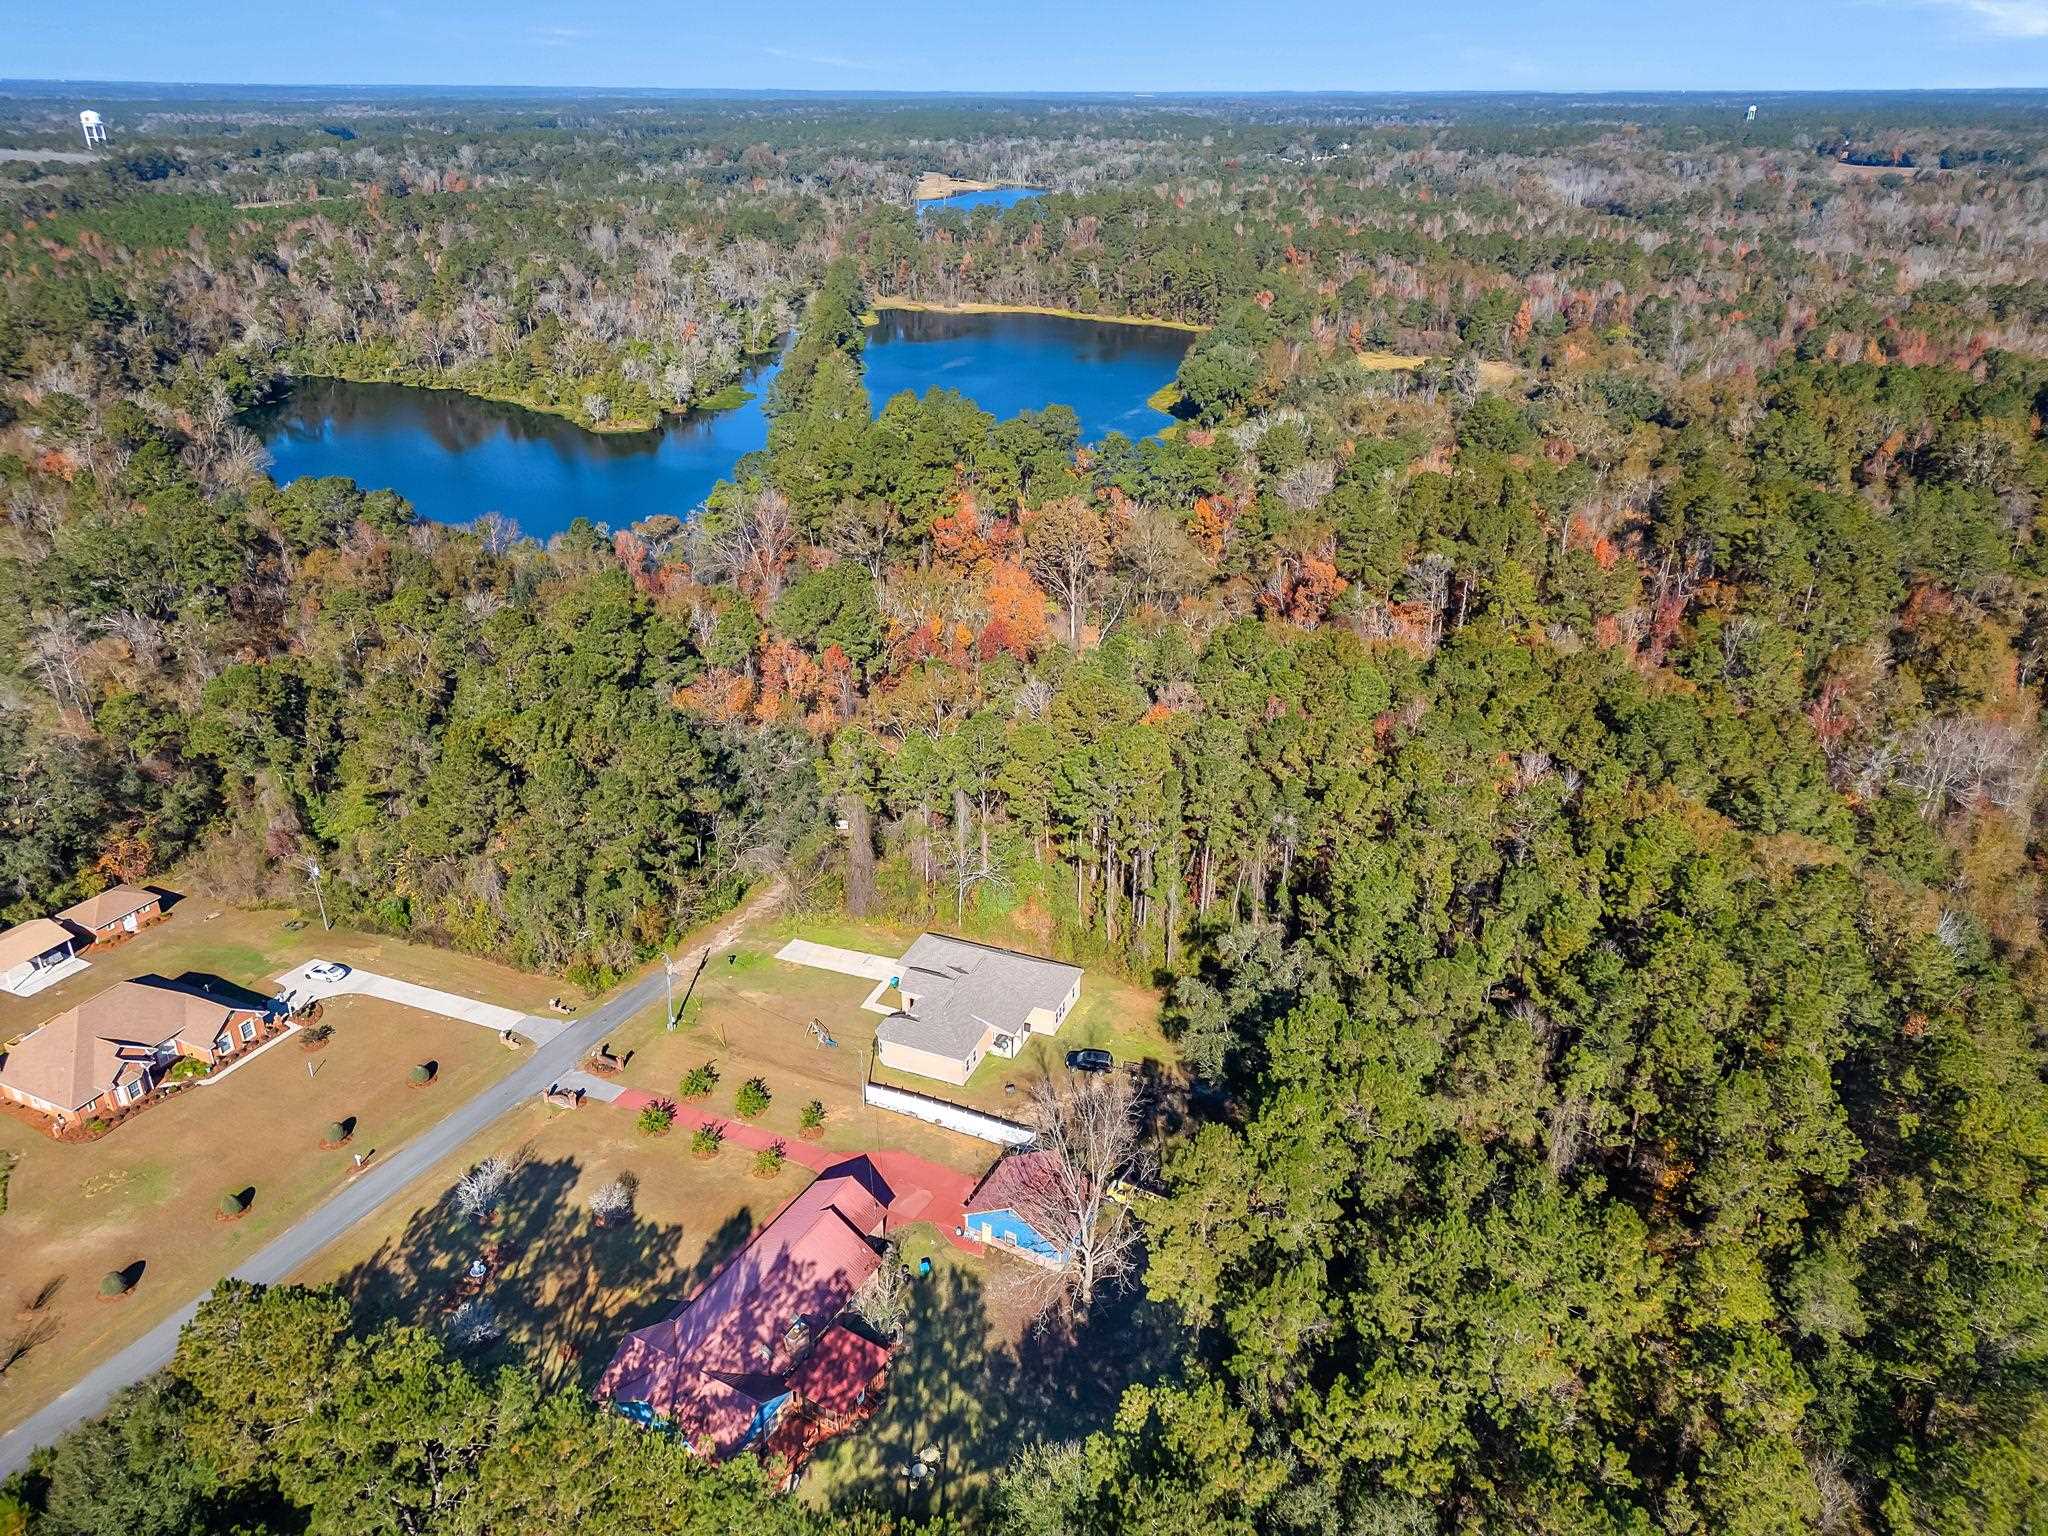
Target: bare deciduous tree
883,1300
477,1191
1067,548
614,1201
1069,1188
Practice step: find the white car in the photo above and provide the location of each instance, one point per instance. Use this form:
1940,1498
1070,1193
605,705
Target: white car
326,970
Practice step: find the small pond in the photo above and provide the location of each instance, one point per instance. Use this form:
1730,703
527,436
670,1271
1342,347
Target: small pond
967,202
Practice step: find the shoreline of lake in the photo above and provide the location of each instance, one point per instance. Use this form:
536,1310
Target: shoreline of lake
877,306
934,186
727,397
457,456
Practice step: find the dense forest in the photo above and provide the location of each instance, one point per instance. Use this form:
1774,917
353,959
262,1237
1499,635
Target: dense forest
1558,717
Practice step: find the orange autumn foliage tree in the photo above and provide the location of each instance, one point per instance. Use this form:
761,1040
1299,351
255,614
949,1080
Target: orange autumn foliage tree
1016,608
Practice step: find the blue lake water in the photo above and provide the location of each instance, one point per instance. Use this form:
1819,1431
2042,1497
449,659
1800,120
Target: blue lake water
456,458
967,202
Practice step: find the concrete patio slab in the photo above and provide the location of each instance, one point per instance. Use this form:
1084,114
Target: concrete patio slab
847,962
50,977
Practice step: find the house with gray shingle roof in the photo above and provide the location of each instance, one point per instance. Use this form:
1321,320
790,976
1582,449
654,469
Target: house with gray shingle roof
962,1002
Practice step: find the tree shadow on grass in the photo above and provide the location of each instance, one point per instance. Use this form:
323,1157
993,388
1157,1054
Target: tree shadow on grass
564,1289
976,1403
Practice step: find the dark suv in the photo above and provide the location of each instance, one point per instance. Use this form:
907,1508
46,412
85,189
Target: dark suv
1090,1061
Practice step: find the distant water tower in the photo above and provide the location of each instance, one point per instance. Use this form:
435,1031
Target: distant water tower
1748,117
95,127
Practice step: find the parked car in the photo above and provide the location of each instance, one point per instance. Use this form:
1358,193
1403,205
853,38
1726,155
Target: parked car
327,970
1090,1061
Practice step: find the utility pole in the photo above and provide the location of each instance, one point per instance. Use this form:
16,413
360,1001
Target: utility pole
668,985
313,868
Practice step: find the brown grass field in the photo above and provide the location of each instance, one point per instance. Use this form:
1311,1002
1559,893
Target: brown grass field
566,1290
147,1193
937,184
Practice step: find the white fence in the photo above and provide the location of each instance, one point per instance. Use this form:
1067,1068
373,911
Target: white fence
954,1117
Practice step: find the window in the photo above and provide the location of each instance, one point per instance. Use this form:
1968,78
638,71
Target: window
130,1092
248,1030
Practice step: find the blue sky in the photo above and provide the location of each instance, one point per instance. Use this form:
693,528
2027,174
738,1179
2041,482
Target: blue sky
1024,45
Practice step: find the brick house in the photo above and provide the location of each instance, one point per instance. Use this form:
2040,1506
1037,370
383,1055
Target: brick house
111,1050
122,910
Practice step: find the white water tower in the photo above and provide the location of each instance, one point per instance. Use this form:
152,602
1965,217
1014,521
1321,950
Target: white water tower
95,127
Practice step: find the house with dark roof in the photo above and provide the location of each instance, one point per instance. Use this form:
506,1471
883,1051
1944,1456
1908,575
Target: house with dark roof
765,1336
112,1049
961,1002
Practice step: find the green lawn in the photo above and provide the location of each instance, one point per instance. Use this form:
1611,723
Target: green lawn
972,1381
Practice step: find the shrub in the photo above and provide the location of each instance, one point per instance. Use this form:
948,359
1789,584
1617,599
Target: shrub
769,1160
707,1141
699,1081
186,1068
812,1116
232,1204
337,1133
420,1075
96,1126
655,1119
752,1099
113,1283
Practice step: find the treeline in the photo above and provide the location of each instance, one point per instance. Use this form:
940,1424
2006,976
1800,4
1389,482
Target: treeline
1614,914
273,1416
609,311
1578,791
474,737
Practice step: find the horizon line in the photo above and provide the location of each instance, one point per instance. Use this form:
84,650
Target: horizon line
1026,94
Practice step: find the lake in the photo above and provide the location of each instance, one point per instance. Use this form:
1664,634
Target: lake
455,457
967,202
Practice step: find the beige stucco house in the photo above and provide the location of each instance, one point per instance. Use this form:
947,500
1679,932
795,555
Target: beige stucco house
961,1002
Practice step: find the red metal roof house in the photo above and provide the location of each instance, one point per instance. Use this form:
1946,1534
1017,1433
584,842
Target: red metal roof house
761,1334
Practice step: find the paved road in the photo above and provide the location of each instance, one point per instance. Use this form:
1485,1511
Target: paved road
383,1180
386,1176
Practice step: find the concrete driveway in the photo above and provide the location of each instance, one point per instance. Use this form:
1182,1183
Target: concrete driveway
879,969
298,985
359,1197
